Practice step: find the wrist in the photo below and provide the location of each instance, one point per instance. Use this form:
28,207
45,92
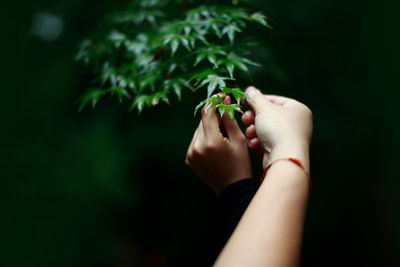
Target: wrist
237,176
293,149
228,182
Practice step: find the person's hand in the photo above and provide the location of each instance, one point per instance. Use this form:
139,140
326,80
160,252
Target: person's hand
277,126
219,160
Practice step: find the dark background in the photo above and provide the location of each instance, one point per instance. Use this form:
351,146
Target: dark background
110,188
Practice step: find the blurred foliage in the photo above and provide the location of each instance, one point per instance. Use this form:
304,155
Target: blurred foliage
152,48
110,188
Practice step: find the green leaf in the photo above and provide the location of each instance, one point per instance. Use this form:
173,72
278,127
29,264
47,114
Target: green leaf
176,85
237,93
139,103
229,109
201,75
230,30
238,61
174,46
199,58
139,45
92,96
230,113
219,99
200,37
230,68
120,92
216,29
187,30
150,100
172,67
221,110
233,60
213,81
83,53
213,60
260,18
185,43
174,40
249,62
117,38
154,99
149,81
213,102
199,106
178,91
107,74
211,54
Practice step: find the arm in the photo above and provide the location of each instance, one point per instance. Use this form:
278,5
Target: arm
270,231
219,155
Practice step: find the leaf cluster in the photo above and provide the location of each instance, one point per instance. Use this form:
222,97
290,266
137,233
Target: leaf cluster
155,49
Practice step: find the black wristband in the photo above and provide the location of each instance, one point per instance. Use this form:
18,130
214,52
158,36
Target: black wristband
233,202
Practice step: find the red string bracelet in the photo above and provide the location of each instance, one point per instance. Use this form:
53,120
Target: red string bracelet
295,161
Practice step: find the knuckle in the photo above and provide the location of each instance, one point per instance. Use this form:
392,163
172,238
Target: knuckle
242,140
209,149
197,150
204,110
210,146
307,111
189,157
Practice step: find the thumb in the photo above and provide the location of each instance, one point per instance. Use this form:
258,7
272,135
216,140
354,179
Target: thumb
230,125
257,101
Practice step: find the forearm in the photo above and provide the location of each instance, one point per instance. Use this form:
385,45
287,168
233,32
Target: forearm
270,231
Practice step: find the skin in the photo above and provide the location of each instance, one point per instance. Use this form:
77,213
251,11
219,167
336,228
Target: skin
270,231
218,153
276,122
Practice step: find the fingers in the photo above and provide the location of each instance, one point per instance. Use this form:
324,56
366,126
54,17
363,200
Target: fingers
278,100
230,125
251,131
254,143
249,117
198,134
257,101
256,146
260,101
209,122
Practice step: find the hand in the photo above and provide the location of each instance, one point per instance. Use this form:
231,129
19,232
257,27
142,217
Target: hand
218,160
278,126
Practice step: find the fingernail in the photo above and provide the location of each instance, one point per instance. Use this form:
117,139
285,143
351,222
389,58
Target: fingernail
251,91
227,100
248,113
